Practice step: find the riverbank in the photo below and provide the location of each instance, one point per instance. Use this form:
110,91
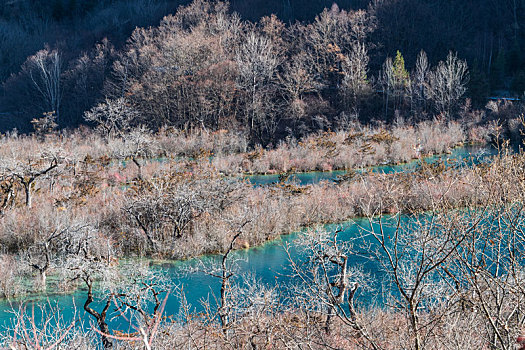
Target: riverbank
272,267
492,189
268,212
74,188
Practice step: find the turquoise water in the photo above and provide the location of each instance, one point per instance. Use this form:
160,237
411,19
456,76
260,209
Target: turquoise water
268,263
467,155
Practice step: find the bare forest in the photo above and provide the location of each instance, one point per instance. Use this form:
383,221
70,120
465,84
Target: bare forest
373,146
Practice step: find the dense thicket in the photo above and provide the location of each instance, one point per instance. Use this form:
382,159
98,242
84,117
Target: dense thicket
186,101
458,272
205,65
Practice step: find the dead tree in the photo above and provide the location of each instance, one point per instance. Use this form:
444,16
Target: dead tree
48,250
224,271
28,172
112,117
100,317
326,280
87,258
44,70
48,332
447,84
39,258
140,289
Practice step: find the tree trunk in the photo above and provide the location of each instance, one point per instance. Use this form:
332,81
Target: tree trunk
139,167
223,311
328,322
104,328
100,317
27,190
42,279
415,326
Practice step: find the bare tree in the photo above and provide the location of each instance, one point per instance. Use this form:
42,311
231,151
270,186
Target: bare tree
40,257
387,81
296,81
132,291
44,329
26,172
257,62
136,145
146,334
89,261
355,68
166,209
228,301
327,281
10,274
447,84
141,291
489,266
494,278
51,236
419,83
44,70
113,117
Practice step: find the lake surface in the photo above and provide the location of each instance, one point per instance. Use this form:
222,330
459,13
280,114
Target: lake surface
467,155
268,263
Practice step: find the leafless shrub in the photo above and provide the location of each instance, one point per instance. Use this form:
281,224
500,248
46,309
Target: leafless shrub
46,329
10,276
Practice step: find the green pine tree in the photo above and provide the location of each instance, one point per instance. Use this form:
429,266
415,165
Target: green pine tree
401,76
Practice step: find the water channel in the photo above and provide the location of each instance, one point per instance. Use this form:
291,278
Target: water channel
268,263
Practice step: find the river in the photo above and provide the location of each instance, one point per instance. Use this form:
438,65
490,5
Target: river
458,156
268,263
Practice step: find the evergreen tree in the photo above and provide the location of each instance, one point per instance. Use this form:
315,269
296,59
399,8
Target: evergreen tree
400,74
400,81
